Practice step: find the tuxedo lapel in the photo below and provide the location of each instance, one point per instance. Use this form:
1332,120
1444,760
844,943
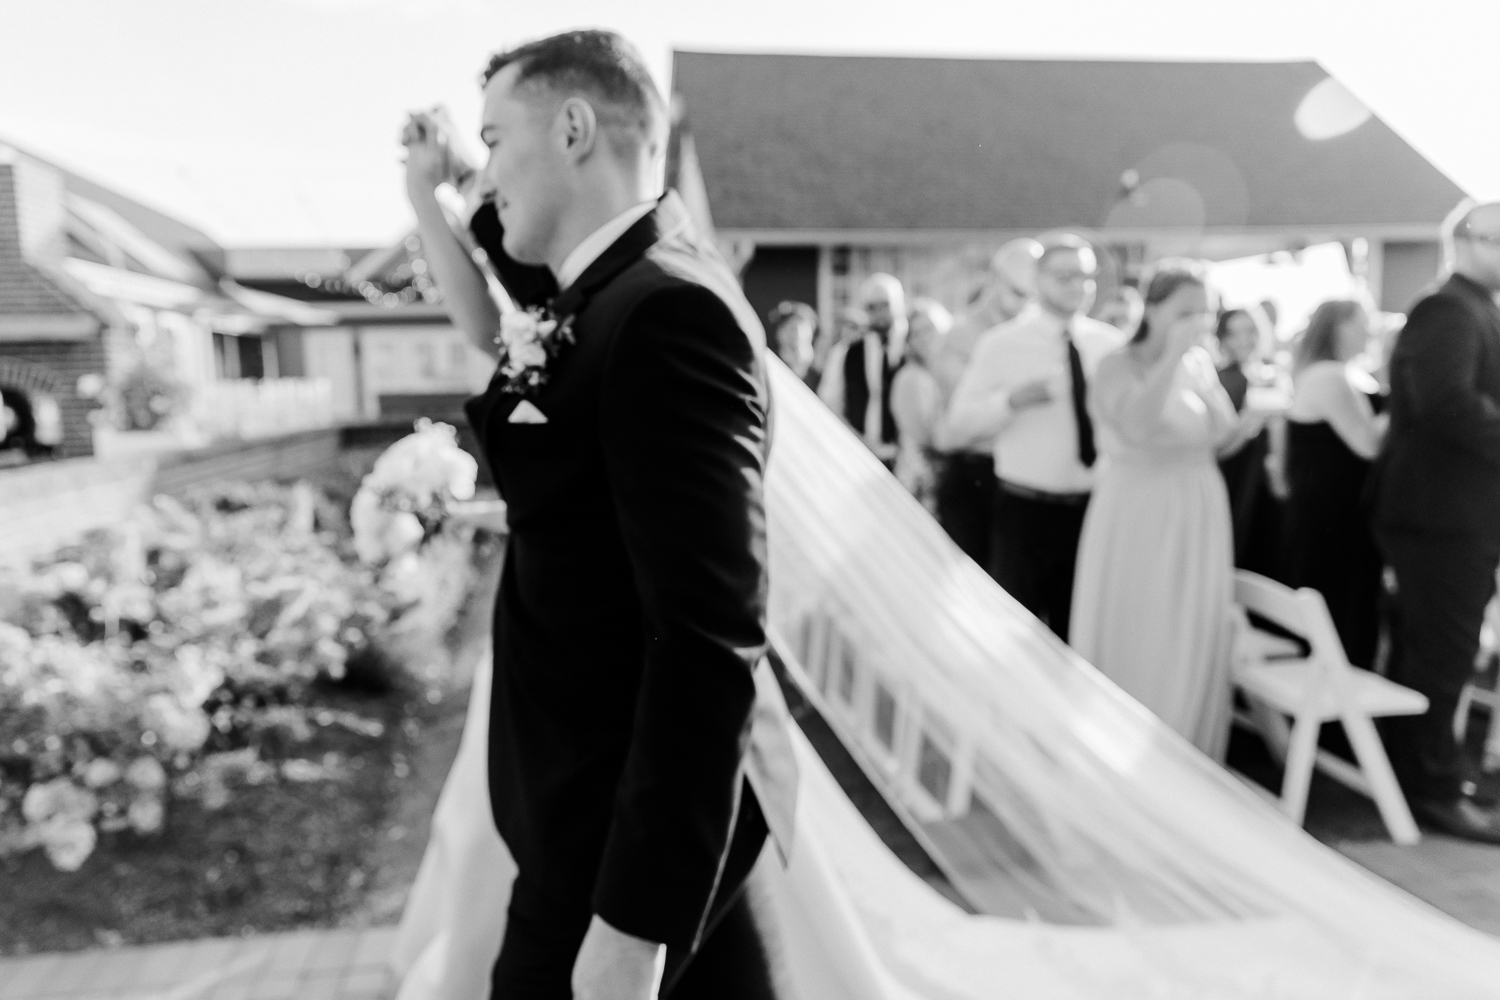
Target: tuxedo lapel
667,219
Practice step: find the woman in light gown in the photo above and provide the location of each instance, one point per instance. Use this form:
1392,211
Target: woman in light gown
1151,605
916,401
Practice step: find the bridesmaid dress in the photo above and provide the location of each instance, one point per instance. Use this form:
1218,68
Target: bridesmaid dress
1329,545
1152,597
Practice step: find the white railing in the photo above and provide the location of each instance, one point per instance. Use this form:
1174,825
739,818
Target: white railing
234,408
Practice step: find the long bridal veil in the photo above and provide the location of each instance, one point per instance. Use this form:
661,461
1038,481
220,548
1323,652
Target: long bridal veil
1100,855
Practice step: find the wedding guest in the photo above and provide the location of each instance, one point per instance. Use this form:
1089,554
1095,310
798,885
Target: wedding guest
1155,567
966,468
1123,310
793,326
856,383
1436,493
916,400
1025,390
1271,313
849,325
1254,509
1332,434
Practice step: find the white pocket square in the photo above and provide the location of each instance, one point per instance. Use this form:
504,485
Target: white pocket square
526,413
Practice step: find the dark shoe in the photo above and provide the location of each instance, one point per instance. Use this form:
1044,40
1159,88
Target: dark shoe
1461,817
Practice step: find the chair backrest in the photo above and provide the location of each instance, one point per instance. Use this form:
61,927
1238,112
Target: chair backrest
1303,612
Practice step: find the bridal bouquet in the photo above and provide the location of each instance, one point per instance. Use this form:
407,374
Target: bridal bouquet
401,525
404,499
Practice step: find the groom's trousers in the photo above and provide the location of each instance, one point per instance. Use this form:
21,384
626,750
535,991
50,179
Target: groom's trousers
735,960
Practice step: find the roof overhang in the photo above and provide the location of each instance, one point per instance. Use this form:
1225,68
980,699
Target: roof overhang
129,286
277,309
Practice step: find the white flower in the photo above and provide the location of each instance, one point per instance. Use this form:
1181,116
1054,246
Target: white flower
70,576
197,676
102,772
367,518
180,727
146,774
403,533
404,578
68,842
422,465
15,646
530,355
304,771
517,327
146,814
381,534
59,798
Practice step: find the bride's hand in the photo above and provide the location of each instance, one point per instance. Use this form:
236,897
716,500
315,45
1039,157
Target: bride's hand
1187,333
427,157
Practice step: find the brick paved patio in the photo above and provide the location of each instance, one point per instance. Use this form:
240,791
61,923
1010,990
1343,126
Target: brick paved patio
302,965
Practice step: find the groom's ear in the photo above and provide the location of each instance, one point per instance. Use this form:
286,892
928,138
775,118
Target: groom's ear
578,127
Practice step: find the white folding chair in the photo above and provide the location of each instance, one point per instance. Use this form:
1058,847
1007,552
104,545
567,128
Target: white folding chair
1311,690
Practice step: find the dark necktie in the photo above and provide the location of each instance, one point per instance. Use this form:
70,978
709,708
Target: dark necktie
1086,452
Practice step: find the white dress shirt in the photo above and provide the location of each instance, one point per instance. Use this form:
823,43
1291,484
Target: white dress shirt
600,240
1036,447
831,389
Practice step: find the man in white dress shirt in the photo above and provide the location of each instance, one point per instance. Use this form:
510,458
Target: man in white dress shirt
966,473
856,382
1026,389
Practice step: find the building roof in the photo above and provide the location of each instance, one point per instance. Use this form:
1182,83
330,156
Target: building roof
835,143
25,290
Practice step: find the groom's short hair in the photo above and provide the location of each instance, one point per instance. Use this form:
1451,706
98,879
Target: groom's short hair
598,65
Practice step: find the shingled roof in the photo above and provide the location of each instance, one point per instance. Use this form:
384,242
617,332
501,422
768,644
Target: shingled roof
836,143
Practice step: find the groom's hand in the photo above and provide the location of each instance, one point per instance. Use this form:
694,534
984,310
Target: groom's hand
613,965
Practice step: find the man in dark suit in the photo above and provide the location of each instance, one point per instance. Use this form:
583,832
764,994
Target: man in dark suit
856,382
1436,492
629,441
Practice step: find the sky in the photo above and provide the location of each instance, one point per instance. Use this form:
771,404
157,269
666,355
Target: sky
274,122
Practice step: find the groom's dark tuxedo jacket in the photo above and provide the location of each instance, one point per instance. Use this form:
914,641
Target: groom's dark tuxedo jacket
631,611
1439,469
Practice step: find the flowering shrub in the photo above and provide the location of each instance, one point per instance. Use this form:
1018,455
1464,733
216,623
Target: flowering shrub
172,657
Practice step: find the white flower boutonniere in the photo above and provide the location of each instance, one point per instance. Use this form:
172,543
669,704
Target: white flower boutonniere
530,340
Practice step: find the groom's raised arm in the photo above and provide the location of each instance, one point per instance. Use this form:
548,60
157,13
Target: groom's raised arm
684,428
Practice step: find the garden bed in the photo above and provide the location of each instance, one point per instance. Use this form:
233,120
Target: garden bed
280,855
233,713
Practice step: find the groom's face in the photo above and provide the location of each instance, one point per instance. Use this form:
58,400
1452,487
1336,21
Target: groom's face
525,175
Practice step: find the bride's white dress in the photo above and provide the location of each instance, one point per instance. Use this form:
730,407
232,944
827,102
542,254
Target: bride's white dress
1105,856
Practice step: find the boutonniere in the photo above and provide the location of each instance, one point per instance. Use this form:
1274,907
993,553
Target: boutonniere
530,340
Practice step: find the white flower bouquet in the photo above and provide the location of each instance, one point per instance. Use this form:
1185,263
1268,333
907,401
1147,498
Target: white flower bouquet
405,497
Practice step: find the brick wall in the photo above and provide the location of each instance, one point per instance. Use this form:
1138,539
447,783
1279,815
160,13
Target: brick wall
53,367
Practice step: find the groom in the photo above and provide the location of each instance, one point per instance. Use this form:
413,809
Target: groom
630,625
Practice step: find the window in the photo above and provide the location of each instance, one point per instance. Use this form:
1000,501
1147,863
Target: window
885,717
934,769
846,675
